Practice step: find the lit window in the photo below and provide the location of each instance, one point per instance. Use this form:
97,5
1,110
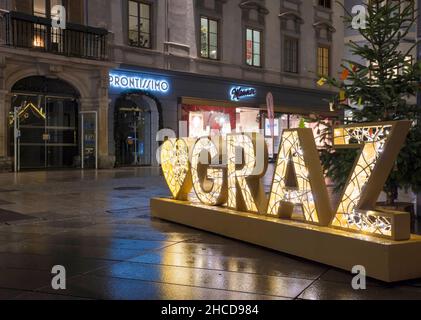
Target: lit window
40,8
409,62
139,24
291,55
253,47
208,38
398,70
323,65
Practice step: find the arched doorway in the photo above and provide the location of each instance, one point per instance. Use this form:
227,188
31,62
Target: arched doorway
137,121
44,124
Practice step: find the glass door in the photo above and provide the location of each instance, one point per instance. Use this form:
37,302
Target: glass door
29,125
45,132
61,134
134,132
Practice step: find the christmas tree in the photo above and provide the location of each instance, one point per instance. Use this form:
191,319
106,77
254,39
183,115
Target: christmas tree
380,85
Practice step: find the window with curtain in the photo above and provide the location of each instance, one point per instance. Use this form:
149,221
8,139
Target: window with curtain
323,64
291,55
253,47
42,8
209,38
140,24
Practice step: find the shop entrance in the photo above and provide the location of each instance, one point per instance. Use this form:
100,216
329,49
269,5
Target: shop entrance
43,127
135,129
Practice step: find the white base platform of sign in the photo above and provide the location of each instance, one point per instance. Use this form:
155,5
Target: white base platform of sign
386,260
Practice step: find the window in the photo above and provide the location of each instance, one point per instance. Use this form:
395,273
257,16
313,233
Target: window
399,70
139,24
323,65
400,4
253,47
409,62
325,4
291,55
42,8
208,38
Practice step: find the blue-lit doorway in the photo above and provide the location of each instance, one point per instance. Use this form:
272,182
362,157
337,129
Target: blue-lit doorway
134,129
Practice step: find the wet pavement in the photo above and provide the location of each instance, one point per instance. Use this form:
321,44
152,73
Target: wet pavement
98,226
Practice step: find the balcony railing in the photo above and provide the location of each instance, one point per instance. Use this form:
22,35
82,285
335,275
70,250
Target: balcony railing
26,31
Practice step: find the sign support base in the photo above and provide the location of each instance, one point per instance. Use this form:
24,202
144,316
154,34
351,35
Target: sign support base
385,260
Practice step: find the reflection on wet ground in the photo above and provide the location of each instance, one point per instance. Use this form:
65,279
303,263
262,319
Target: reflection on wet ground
98,225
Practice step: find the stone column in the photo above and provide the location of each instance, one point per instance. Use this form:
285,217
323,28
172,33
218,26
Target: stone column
106,160
5,103
154,132
4,108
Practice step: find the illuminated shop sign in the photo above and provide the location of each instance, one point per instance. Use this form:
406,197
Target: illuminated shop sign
139,82
239,93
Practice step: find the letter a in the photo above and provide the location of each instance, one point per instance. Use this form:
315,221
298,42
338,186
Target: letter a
359,281
58,17
298,158
359,21
59,281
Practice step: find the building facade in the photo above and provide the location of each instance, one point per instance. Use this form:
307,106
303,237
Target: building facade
98,92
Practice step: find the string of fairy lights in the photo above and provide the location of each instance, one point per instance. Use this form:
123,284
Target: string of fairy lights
373,139
239,177
302,195
236,185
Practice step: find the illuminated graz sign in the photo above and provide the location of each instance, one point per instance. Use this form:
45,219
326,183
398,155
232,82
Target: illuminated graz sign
145,83
239,93
298,179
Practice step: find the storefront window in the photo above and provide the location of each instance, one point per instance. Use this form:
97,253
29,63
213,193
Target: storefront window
214,121
248,120
209,121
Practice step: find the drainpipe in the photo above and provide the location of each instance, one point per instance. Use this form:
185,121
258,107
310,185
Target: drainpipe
86,9
418,208
167,34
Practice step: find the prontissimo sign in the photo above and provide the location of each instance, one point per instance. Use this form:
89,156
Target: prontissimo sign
139,82
237,184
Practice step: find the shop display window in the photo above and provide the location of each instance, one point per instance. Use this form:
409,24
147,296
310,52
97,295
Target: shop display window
248,120
212,121
209,121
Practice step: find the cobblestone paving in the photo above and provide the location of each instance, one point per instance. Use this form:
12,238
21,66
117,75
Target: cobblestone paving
98,225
